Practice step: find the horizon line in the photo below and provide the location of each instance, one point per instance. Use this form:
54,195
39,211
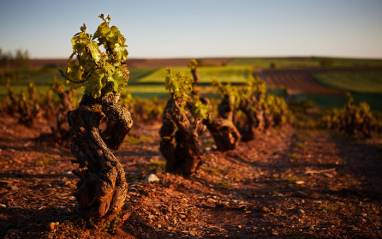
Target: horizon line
213,57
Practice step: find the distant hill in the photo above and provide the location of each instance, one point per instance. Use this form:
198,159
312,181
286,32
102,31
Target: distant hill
136,62
256,62
53,63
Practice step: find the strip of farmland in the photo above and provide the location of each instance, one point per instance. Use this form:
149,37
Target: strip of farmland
296,81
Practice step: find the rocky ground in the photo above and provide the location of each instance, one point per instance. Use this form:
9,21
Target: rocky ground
287,183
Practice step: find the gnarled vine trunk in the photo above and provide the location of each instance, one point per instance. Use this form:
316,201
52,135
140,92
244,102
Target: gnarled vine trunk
365,127
48,107
195,77
180,147
268,119
255,118
13,105
61,133
222,128
101,191
27,113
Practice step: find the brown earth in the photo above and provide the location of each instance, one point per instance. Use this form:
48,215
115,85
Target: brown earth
286,183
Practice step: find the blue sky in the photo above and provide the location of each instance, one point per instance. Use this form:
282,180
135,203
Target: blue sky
200,28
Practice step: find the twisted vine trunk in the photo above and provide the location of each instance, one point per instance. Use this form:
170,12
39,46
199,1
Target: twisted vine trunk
268,119
222,128
27,114
180,147
14,103
61,133
277,118
255,118
349,124
48,107
365,127
195,77
101,191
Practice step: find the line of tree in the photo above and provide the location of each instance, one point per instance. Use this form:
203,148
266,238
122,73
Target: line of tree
19,59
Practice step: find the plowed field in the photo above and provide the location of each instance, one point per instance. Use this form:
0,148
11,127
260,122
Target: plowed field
302,81
296,81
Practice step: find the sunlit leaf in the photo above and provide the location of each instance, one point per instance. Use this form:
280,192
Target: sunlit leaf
95,84
94,50
98,72
120,81
102,30
199,110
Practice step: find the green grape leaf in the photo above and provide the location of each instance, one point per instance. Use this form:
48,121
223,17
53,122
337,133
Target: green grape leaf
199,110
113,35
98,72
108,68
95,84
102,30
172,84
120,81
94,50
80,42
120,52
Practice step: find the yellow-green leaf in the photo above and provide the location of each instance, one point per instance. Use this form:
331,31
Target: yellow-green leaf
102,30
94,50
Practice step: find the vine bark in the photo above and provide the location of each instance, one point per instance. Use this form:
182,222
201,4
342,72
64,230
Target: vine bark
179,139
222,128
101,191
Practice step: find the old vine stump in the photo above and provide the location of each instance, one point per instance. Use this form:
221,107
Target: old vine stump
180,147
60,133
222,128
101,191
256,122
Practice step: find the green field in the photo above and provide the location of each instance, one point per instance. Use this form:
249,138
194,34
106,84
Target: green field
361,82
137,74
146,83
233,74
40,79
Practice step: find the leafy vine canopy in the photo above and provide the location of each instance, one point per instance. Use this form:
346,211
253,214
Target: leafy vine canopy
179,86
98,72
